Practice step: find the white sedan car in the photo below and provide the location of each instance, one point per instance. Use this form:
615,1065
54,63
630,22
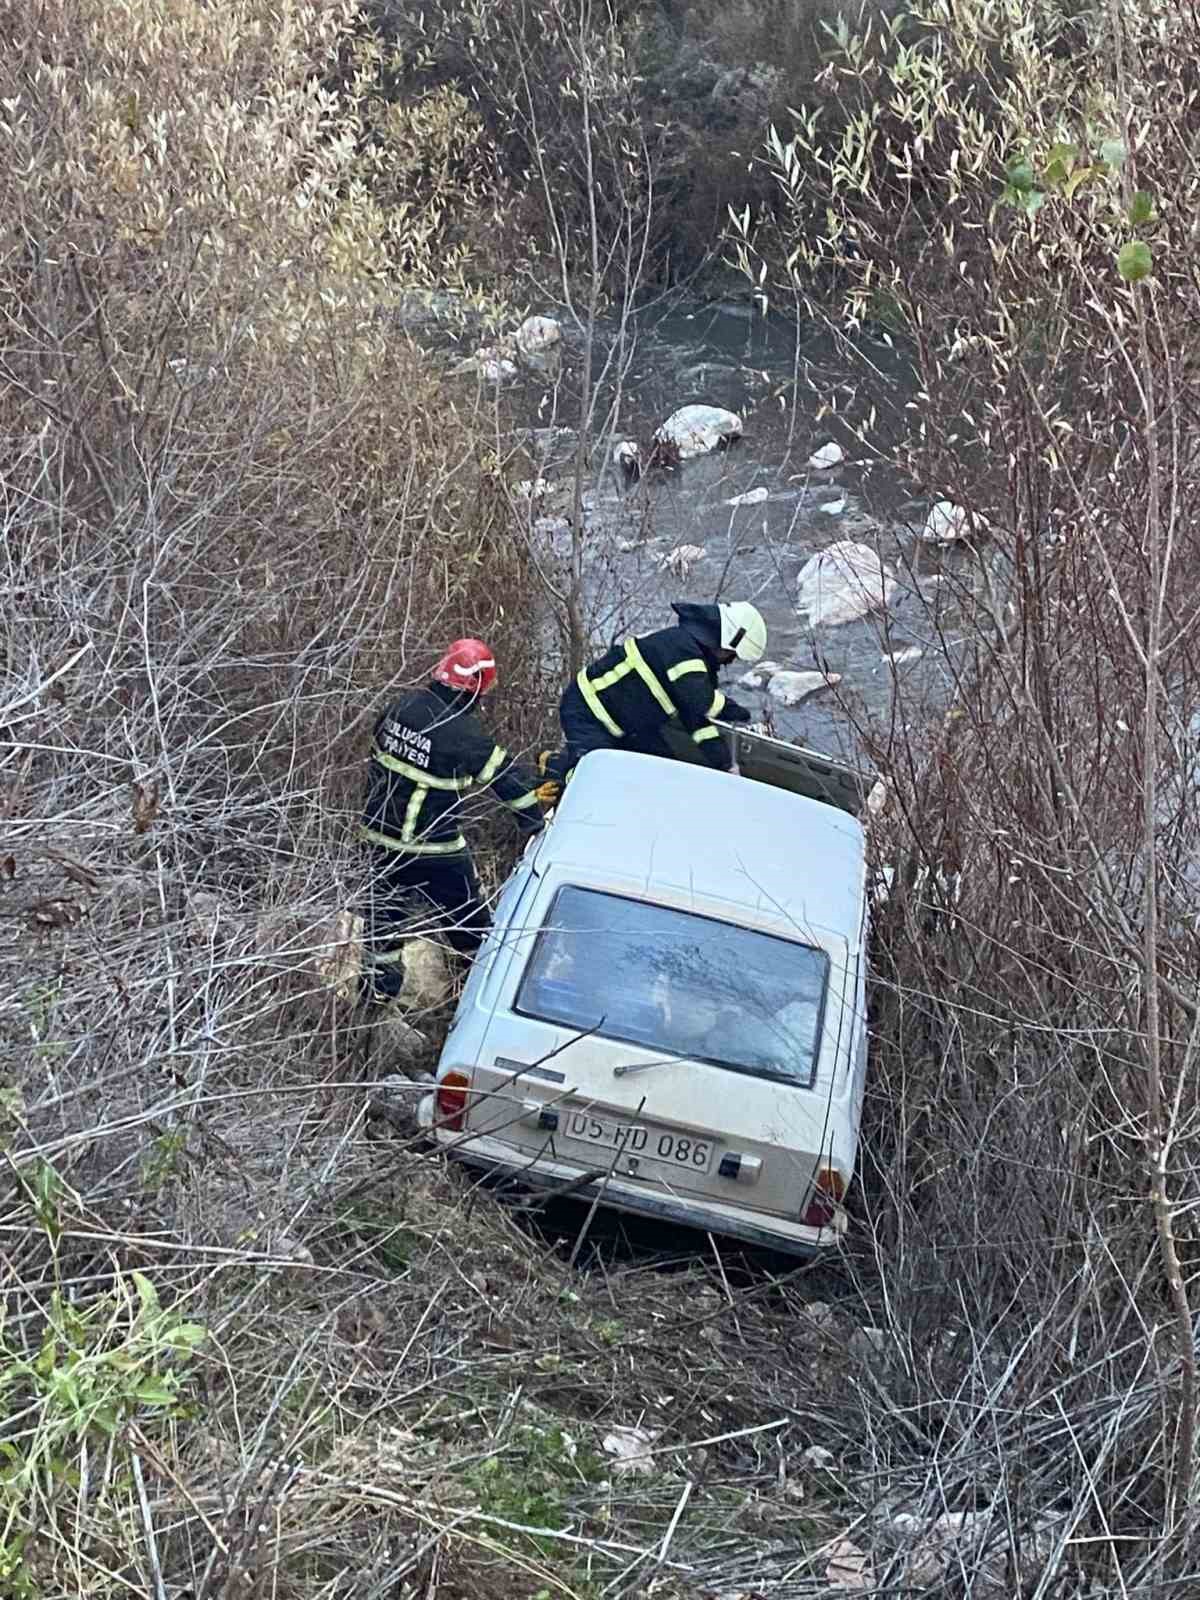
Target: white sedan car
669,1014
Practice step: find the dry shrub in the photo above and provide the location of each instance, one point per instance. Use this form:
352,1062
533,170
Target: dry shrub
239,510
1036,1103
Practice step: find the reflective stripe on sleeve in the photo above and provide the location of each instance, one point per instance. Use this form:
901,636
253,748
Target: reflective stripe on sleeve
492,765
682,668
718,705
440,847
702,734
524,803
416,775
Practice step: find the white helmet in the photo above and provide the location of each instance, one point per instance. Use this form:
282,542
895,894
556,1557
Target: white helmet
743,630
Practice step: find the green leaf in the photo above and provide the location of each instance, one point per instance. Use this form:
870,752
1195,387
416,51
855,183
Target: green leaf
1066,153
186,1335
147,1293
154,1392
1113,152
1135,261
1020,173
1080,176
1142,209
1033,202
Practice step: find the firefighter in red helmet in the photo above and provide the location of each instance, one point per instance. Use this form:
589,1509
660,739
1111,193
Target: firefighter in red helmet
429,757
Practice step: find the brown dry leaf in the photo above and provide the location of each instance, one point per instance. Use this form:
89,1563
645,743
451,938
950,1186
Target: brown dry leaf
75,870
145,806
53,913
9,866
847,1566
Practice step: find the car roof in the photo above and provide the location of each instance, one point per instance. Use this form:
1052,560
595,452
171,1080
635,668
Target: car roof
642,822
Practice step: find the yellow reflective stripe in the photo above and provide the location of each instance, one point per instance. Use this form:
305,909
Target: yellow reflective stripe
588,690
648,678
682,668
412,815
492,765
524,803
701,734
718,705
613,675
447,847
416,775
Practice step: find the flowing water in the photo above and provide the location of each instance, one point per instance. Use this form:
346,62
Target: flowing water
780,382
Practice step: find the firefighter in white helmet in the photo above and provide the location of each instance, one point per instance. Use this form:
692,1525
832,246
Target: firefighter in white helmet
623,700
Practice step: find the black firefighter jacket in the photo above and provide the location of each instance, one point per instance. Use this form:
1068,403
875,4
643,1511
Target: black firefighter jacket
639,685
429,754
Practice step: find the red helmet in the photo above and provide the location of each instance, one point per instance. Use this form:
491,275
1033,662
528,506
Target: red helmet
467,665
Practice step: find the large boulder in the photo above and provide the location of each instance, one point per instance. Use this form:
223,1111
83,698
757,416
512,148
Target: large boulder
759,675
537,335
491,363
827,456
946,523
697,431
843,583
680,561
790,688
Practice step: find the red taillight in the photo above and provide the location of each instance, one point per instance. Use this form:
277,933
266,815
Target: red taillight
827,1191
452,1100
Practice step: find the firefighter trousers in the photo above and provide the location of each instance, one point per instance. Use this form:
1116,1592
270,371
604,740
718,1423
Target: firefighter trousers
433,896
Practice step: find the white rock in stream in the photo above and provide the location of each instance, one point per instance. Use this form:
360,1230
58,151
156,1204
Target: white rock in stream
789,688
833,508
843,583
682,559
827,456
698,430
880,797
752,497
946,523
759,676
492,365
536,335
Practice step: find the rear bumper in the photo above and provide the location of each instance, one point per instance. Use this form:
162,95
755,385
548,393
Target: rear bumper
734,1222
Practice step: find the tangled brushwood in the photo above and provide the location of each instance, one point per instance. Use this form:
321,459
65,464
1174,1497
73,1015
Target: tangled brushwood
253,1342
1027,229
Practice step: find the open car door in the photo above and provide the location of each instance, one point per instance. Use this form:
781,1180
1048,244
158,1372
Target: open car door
774,761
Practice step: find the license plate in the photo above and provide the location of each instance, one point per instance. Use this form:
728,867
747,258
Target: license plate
631,1139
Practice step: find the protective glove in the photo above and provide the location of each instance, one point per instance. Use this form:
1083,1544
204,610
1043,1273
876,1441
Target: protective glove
733,712
549,793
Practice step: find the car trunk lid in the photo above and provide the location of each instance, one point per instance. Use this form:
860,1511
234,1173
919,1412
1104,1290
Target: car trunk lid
708,1134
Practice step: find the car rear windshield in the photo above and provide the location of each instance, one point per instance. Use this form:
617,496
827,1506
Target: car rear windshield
683,984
